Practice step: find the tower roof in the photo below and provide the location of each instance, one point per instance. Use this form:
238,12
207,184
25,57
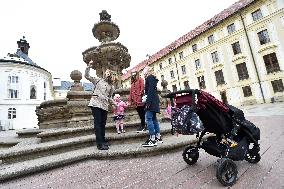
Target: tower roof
21,55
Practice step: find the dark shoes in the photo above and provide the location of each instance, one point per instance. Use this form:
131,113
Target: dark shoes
102,147
140,130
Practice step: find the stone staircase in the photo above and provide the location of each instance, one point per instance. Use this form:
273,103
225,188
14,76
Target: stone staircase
39,150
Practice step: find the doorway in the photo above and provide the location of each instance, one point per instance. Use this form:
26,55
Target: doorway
224,97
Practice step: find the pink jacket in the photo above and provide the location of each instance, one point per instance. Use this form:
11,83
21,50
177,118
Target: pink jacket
119,107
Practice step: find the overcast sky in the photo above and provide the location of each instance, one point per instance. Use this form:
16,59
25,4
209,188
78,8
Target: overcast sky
60,30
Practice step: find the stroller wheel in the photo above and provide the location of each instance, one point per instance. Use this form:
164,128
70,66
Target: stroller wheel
252,156
190,155
227,172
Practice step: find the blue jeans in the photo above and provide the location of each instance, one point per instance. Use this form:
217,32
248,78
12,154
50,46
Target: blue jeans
152,123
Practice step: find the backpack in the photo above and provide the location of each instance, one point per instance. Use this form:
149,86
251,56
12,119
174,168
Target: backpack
185,121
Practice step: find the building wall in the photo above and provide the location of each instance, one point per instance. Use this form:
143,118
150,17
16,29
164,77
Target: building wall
25,107
273,21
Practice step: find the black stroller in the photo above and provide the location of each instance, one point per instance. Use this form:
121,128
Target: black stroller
234,138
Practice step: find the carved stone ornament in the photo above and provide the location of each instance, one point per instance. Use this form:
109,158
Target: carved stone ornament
104,16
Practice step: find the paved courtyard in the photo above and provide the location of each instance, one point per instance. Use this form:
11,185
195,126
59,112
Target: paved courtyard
169,170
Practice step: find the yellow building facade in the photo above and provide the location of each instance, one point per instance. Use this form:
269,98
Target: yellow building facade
237,56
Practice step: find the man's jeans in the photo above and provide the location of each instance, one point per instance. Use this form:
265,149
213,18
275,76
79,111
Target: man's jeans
152,123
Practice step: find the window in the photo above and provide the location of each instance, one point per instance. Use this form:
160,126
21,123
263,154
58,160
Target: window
197,64
186,85
271,63
242,71
194,48
256,15
231,28
13,79
181,55
219,77
211,39
183,69
236,48
13,93
33,92
201,82
174,88
172,74
44,94
170,60
263,37
277,85
161,66
247,91
11,113
215,57
162,77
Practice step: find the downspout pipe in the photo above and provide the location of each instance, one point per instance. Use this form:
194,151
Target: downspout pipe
253,59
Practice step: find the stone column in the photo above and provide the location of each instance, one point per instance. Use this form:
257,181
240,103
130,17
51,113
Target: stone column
77,104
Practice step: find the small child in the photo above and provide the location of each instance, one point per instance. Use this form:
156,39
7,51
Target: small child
119,113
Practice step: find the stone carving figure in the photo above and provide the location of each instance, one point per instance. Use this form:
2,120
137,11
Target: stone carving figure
104,16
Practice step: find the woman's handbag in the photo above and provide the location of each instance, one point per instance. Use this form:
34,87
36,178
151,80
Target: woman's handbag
144,98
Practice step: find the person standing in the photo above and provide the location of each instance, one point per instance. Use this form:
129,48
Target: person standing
99,103
135,98
152,108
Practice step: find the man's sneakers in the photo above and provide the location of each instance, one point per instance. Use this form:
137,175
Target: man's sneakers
159,140
150,143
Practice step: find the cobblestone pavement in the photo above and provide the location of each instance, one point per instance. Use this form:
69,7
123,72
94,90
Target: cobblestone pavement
169,170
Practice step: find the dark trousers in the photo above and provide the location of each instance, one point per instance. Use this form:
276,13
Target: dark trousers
100,117
141,113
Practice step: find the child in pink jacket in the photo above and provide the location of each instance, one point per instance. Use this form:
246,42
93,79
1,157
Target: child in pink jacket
119,113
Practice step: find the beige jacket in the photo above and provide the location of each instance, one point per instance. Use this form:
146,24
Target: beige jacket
103,91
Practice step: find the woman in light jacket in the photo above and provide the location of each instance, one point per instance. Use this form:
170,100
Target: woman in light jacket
99,103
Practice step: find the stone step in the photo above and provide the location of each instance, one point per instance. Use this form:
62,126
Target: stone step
32,151
171,143
8,144
27,133
63,133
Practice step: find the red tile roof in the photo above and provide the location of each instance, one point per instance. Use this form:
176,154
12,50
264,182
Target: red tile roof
191,35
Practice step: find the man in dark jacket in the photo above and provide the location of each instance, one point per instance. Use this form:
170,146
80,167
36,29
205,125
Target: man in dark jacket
152,108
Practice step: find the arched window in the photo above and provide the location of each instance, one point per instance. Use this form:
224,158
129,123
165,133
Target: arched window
33,92
44,91
11,113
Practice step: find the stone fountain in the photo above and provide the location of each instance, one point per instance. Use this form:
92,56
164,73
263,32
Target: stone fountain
109,54
73,111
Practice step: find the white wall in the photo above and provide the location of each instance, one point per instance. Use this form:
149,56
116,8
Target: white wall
25,107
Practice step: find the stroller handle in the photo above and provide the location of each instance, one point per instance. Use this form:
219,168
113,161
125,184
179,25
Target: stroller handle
173,94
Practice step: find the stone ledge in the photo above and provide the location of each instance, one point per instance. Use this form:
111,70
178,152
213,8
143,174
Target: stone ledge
63,133
44,149
29,133
118,151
